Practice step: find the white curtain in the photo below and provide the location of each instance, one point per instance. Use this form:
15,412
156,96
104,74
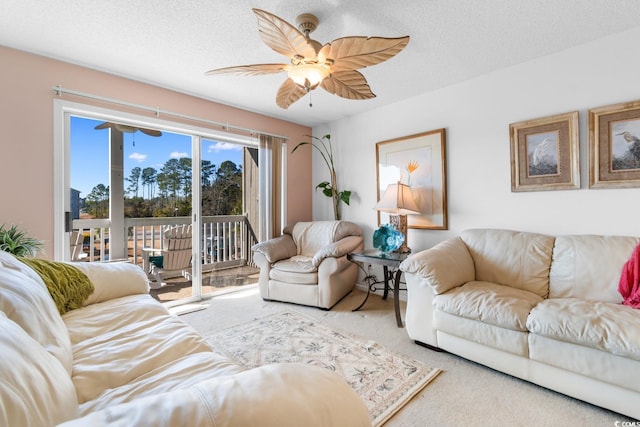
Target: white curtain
270,160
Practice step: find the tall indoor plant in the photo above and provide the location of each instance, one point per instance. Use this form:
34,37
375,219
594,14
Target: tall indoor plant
329,189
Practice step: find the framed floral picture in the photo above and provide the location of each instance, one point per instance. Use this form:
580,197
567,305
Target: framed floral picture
545,153
418,161
614,146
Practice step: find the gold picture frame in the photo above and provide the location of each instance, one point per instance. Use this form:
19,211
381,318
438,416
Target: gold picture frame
419,161
545,153
614,146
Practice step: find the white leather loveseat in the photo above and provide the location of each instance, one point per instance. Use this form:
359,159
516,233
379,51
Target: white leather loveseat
308,264
123,360
542,308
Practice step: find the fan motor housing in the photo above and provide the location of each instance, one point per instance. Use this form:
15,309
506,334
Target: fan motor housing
307,22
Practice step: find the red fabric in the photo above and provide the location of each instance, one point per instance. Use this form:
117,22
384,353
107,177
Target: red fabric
629,286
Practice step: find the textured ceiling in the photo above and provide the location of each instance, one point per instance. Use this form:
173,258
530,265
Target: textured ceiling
172,43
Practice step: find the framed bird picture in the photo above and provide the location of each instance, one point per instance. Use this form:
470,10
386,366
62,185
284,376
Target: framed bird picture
545,153
614,146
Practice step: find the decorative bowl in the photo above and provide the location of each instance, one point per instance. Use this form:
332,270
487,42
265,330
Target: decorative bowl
387,238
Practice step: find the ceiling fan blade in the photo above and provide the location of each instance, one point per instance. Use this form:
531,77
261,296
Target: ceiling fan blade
251,70
283,37
289,93
348,84
124,128
104,125
150,132
128,129
351,53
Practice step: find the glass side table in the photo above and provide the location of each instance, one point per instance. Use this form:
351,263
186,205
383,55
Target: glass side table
390,263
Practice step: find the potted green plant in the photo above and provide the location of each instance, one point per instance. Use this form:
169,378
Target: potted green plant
329,189
18,243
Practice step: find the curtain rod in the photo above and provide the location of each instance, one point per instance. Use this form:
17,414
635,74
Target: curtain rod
59,90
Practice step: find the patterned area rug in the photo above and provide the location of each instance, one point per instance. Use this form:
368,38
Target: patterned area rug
385,380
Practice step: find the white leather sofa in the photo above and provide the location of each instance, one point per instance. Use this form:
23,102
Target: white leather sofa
542,308
308,264
123,360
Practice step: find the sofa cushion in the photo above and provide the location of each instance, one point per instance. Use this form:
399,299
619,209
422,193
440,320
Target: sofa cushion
604,326
489,303
434,265
310,237
586,361
179,374
138,341
298,269
575,273
113,280
24,298
277,248
35,390
514,342
513,258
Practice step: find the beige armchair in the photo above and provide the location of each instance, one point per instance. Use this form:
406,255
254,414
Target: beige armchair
308,264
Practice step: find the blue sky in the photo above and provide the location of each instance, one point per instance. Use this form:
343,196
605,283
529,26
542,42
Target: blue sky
90,152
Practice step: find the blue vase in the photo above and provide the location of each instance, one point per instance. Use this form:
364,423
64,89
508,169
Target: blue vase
387,238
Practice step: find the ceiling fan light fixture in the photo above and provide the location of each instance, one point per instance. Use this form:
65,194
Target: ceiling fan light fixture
308,76
312,63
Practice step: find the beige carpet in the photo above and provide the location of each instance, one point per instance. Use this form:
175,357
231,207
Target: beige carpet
464,394
384,379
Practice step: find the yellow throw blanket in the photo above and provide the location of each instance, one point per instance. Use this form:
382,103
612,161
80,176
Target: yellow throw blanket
68,286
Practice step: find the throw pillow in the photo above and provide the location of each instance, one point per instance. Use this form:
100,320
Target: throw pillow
68,286
629,286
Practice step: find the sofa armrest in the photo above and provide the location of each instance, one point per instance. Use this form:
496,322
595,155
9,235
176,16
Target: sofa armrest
113,280
282,395
444,266
338,249
278,248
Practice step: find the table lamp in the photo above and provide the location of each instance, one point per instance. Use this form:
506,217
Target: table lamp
398,201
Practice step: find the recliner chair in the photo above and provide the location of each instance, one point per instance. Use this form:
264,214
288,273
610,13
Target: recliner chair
308,264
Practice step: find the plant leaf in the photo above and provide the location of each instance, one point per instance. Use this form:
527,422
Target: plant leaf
300,144
345,196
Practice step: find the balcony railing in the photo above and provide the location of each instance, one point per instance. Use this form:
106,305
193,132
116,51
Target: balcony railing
225,240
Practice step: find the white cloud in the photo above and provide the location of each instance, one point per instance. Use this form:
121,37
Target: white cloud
223,146
178,155
138,157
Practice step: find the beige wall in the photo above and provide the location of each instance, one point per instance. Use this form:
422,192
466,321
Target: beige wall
26,125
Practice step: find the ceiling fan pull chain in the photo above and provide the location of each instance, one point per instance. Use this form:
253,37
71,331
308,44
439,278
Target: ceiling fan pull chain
310,103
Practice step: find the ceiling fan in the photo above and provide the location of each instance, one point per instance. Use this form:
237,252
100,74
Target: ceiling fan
332,66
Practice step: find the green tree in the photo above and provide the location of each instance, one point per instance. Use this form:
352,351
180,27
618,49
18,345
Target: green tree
206,172
149,178
170,179
98,201
134,181
184,169
224,196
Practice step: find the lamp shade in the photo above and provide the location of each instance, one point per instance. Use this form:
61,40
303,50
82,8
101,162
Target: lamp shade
397,200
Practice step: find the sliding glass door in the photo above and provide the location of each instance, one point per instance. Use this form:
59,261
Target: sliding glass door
165,196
